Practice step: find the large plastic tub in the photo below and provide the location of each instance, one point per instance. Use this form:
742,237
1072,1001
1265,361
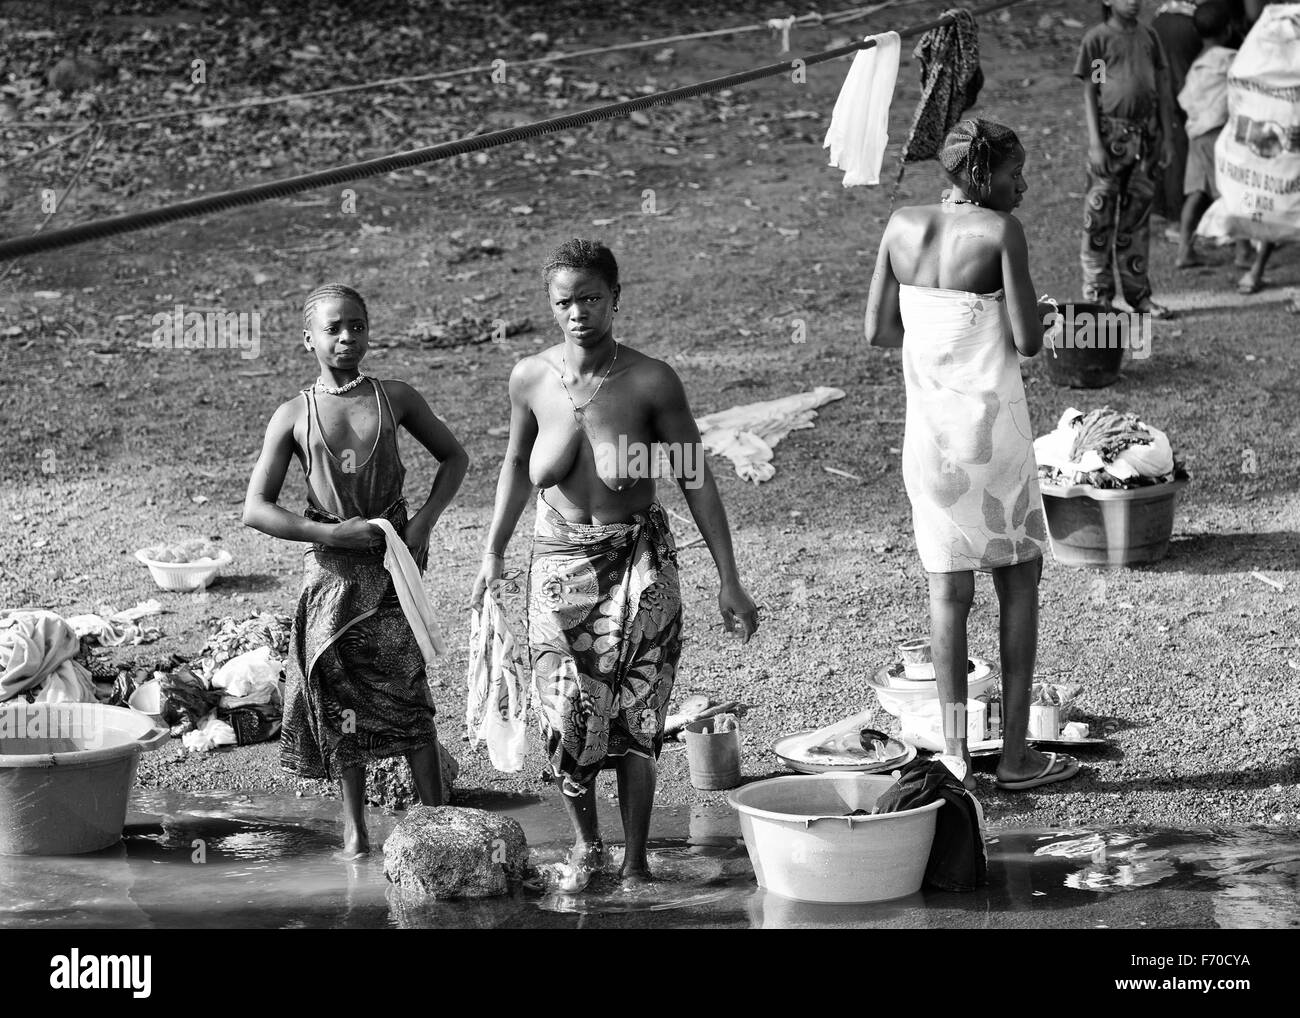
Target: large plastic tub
1110,526
802,844
66,770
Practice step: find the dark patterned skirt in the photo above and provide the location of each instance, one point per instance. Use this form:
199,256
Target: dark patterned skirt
604,636
356,687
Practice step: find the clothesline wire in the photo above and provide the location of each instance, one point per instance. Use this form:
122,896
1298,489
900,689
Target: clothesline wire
256,193
804,20
71,185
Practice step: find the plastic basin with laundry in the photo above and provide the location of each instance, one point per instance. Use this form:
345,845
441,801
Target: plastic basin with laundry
66,770
804,843
184,576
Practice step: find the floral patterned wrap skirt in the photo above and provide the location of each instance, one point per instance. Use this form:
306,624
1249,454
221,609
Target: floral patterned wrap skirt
604,636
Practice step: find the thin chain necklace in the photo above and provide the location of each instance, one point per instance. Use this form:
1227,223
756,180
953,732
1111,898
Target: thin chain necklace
340,390
579,411
959,201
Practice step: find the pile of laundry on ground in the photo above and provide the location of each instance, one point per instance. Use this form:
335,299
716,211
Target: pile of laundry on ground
231,693
1107,449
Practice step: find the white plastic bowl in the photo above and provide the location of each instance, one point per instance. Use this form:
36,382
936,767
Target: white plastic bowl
147,700
802,846
902,698
185,576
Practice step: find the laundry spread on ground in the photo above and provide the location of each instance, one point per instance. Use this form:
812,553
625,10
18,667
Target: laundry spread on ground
746,434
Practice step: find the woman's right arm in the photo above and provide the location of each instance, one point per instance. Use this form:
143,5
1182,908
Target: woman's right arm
261,511
514,486
883,323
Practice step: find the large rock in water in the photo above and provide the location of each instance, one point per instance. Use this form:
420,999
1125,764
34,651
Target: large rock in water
453,852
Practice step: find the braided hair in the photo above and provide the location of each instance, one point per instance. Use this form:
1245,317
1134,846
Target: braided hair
326,291
582,254
974,149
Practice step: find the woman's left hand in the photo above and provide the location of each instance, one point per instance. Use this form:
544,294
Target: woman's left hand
738,609
416,539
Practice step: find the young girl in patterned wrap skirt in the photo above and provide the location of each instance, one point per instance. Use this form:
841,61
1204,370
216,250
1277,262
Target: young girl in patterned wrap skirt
357,687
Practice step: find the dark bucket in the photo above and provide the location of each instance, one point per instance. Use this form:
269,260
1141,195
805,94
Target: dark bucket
1082,351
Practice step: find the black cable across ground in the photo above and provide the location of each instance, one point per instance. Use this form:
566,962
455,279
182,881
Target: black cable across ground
98,229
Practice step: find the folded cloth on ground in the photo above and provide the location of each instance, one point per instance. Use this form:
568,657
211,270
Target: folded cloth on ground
254,677
745,434
1104,448
859,131
37,647
411,593
186,701
251,723
110,633
958,860
210,734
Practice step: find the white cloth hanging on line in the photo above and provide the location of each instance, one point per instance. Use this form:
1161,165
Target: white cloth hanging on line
859,131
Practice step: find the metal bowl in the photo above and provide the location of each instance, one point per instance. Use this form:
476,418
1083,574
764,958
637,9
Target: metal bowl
847,760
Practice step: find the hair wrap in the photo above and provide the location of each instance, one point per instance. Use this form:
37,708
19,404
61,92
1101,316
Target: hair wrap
324,292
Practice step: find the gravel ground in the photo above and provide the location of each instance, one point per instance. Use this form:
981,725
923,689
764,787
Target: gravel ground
1188,666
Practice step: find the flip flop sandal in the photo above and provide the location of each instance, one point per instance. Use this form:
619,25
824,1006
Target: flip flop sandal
1047,776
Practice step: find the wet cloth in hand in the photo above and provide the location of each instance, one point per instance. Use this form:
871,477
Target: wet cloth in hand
498,681
958,860
859,130
410,592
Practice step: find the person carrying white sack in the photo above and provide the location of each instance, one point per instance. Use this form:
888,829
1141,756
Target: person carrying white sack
1257,155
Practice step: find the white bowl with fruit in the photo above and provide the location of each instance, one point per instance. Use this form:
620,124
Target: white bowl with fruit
186,566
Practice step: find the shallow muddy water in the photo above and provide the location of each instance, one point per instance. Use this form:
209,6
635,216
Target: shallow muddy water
233,860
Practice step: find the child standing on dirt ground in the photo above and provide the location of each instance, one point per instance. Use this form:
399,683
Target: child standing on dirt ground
950,278
1204,96
358,691
1129,111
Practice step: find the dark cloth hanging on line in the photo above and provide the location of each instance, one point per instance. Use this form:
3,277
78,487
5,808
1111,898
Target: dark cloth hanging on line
951,80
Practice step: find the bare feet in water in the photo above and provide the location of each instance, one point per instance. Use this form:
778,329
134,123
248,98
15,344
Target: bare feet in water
356,843
584,862
632,878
